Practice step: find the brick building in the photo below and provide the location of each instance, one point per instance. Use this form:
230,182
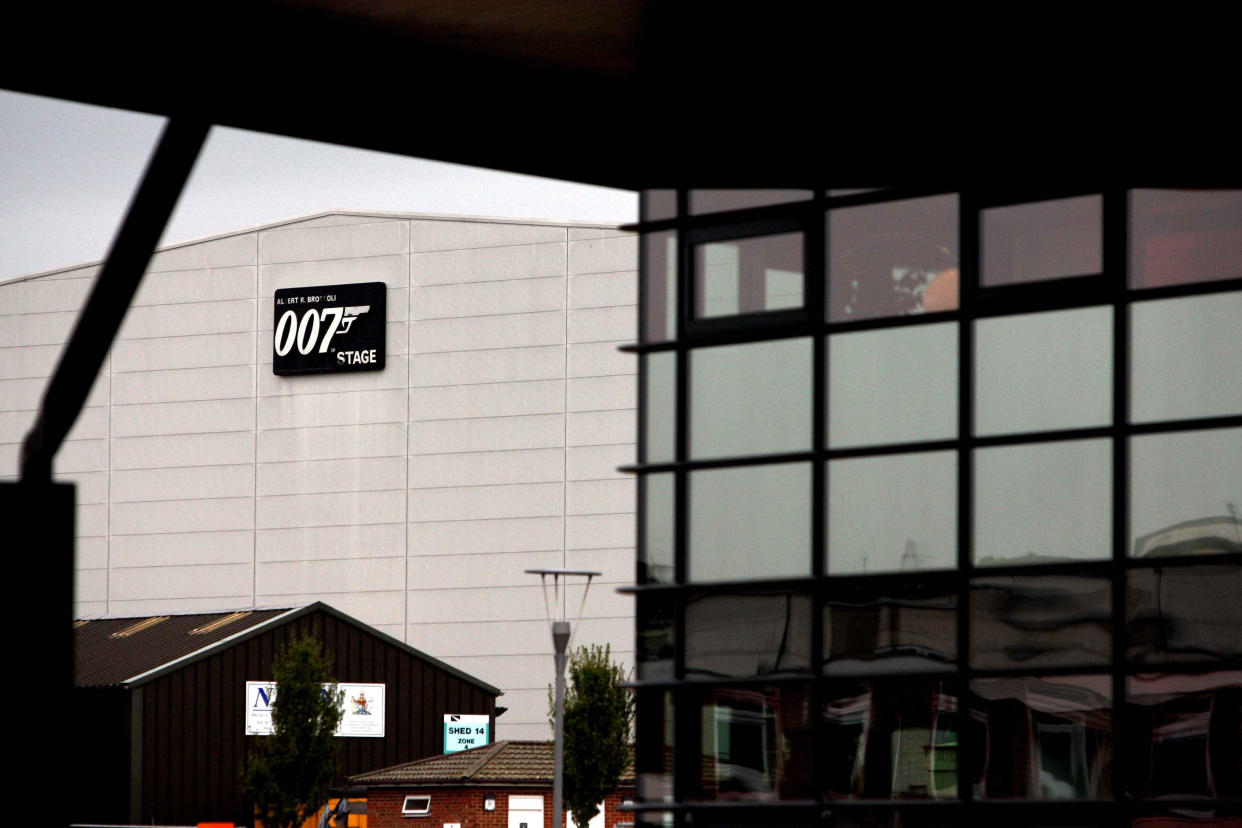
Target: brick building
507,784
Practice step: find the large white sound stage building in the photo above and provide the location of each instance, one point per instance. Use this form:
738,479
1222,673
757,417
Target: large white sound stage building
413,497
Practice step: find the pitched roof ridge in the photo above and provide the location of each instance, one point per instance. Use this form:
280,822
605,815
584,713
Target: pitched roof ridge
496,748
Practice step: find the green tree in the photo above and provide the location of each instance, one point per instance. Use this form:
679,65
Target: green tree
288,774
599,717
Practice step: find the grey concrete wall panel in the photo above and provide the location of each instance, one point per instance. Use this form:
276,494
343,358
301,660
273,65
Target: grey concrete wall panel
599,359
598,462
486,468
355,474
482,298
352,241
192,482
193,417
226,251
488,434
201,351
184,384
505,399
330,408
328,542
488,264
412,498
597,290
332,442
496,365
141,551
182,286
485,537
458,235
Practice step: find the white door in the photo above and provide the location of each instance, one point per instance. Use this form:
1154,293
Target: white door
525,812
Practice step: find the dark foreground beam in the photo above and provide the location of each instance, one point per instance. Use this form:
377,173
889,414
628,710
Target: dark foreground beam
109,299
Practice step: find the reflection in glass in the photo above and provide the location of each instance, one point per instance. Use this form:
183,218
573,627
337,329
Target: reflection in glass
1184,613
1182,236
891,740
1042,240
653,754
894,385
750,399
1045,738
659,204
1043,503
750,522
756,743
1186,357
748,635
1044,621
894,512
897,627
1187,735
1186,493
717,201
660,408
1044,371
893,259
760,273
656,563
660,297
655,640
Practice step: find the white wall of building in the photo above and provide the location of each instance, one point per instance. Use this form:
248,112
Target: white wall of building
411,498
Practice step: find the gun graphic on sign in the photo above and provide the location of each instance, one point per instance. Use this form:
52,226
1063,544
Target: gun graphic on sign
352,312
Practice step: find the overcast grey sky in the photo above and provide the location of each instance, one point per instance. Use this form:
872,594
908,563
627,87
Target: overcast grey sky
67,172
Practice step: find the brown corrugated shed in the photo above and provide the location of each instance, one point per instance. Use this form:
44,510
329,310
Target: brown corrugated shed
159,703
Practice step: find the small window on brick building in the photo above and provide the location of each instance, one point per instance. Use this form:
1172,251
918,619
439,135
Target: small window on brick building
416,806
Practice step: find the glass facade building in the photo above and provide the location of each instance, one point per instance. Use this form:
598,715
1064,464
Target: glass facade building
938,512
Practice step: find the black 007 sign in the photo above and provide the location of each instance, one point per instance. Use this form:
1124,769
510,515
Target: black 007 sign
329,328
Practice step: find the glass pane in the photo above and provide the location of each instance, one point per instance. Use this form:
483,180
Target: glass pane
716,201
653,748
656,563
656,641
658,204
892,513
1184,613
1181,236
891,740
660,286
1043,503
1187,357
892,259
756,743
892,386
1044,621
751,522
660,408
748,635
1186,735
750,399
1186,493
894,627
761,273
1044,371
1043,240
1044,738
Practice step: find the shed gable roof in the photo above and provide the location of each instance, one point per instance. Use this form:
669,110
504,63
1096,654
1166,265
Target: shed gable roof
131,651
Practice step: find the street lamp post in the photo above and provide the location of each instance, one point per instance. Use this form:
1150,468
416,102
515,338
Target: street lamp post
562,632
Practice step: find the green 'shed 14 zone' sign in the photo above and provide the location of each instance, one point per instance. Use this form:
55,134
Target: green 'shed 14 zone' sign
463,731
329,328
